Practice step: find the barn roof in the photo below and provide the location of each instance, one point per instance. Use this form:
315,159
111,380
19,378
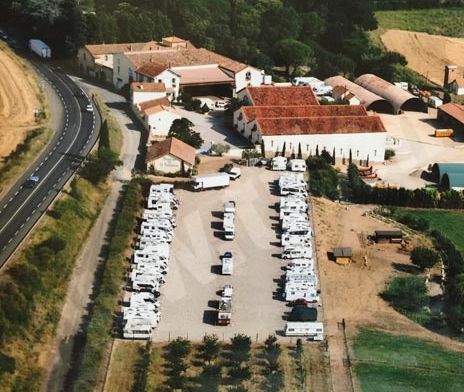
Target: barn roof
399,98
453,110
281,96
440,169
172,146
370,100
452,180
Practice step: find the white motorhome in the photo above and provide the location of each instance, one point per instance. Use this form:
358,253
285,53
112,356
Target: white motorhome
295,240
138,328
229,226
279,163
299,291
313,330
301,263
229,207
227,264
297,252
297,165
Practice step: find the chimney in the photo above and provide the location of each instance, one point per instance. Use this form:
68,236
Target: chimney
450,74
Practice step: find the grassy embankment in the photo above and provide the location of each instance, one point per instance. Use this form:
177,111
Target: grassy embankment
101,325
33,288
392,363
126,355
440,21
450,223
36,139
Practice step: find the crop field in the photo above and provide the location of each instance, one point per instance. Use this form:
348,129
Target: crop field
394,363
440,21
450,223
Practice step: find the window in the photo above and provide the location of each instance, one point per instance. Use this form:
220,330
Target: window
375,153
248,75
341,151
160,80
307,147
119,69
357,153
240,117
173,81
254,128
272,143
290,145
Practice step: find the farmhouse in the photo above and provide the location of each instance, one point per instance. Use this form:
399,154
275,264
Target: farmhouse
196,70
157,116
170,156
291,119
452,115
141,92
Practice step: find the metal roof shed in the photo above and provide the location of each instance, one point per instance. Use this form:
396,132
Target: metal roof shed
453,181
440,169
342,255
388,235
399,98
370,100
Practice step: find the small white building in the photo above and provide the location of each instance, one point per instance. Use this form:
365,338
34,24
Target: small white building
342,93
157,116
170,156
457,86
142,92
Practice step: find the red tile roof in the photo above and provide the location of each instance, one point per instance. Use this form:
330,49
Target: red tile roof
148,87
174,147
453,110
319,125
252,112
100,49
281,96
153,102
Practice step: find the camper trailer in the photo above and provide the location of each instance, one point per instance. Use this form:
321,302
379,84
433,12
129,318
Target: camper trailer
279,163
297,165
313,330
227,264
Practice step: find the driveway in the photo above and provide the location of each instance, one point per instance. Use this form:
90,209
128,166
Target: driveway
213,127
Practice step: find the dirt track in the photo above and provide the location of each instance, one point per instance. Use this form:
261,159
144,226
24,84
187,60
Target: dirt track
426,54
18,98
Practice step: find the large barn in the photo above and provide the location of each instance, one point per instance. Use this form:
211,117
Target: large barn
291,118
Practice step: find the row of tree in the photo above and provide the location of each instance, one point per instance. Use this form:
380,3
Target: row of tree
328,37
418,198
411,4
323,177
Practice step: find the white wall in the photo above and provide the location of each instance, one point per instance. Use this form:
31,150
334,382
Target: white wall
170,79
361,144
160,123
142,96
241,81
122,68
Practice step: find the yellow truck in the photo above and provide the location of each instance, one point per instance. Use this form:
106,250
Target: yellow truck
444,132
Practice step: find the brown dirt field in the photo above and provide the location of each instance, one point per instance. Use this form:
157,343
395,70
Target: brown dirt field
18,97
426,54
352,291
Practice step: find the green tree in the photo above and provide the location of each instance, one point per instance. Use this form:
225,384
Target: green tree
220,148
424,257
240,348
292,54
284,147
210,348
7,364
104,135
300,154
406,292
182,130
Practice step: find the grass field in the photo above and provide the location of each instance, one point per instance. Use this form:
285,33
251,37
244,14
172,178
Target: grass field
450,223
385,362
440,21
126,353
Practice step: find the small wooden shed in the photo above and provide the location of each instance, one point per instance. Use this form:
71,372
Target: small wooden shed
342,255
391,236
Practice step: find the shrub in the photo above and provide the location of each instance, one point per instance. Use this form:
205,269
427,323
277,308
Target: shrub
424,257
323,178
7,364
407,293
250,153
210,348
389,154
240,350
414,222
220,148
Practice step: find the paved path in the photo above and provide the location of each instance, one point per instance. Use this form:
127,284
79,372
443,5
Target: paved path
81,285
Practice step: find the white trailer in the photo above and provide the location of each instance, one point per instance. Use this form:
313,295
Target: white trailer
297,252
313,330
139,328
229,206
210,181
40,48
227,265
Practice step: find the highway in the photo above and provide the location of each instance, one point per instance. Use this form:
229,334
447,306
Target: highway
22,206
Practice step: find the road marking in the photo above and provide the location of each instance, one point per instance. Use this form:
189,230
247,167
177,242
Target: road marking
16,233
27,219
11,198
54,166
33,211
11,239
16,193
21,226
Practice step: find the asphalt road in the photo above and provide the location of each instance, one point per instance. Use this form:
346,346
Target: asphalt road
22,207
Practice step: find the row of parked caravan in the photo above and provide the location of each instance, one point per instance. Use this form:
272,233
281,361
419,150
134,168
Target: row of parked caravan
301,282
150,262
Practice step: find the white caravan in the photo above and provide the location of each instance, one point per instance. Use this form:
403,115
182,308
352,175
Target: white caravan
297,165
312,330
279,163
297,252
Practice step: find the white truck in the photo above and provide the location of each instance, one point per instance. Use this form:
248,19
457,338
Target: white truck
210,181
40,48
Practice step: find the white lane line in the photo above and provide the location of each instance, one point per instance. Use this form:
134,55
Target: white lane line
16,233
11,198
11,239
16,193
33,211
53,168
22,225
27,219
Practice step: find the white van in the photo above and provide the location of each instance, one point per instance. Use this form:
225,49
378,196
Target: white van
313,330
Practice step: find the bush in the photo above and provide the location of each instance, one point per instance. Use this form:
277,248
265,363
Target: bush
210,348
406,293
241,348
389,154
424,257
323,178
220,148
414,222
251,153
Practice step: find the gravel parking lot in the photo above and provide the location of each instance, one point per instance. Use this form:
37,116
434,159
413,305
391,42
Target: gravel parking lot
190,296
418,148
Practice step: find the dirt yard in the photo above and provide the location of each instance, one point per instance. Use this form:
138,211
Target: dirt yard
18,98
426,54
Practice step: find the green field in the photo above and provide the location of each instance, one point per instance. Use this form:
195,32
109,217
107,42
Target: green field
444,21
385,362
450,223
